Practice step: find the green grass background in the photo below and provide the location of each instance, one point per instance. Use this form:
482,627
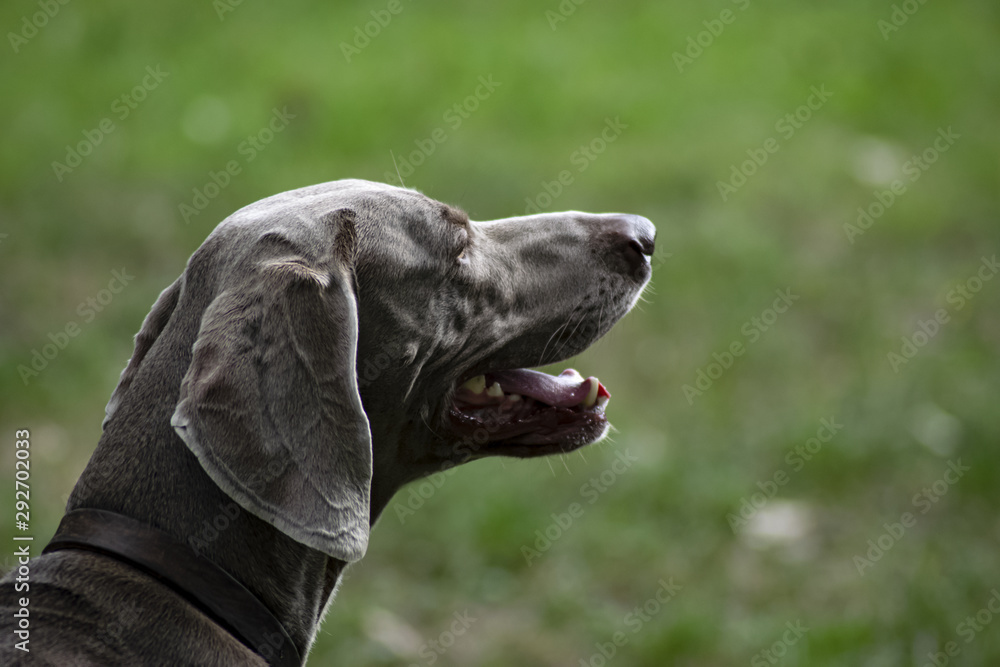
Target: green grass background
718,265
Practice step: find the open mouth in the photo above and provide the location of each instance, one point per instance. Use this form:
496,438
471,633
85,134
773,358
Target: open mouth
530,408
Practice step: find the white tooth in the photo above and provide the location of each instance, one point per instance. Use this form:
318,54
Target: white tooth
602,401
495,390
591,398
513,398
476,384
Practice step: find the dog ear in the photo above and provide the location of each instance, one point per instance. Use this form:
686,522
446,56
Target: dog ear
270,402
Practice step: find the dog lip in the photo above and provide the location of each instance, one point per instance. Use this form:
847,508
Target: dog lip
566,390
535,414
530,423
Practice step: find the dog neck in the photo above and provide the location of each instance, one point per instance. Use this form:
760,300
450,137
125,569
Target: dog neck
156,480
198,580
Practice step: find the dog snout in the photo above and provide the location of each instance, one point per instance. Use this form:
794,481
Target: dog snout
630,241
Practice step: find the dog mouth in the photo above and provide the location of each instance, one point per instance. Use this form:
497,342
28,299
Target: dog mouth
530,413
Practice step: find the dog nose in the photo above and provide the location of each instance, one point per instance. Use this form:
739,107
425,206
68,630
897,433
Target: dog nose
633,237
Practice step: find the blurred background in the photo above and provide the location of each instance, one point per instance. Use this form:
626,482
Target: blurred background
804,466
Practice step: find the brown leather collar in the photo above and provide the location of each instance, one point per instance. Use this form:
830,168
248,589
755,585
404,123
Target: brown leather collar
200,581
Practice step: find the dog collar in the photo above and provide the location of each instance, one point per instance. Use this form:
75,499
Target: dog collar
197,579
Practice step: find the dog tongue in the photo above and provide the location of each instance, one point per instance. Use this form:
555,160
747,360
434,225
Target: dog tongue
565,390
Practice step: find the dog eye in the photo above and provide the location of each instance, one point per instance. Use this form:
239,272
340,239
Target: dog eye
463,245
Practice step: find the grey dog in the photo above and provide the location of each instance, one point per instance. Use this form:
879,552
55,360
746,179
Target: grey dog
322,348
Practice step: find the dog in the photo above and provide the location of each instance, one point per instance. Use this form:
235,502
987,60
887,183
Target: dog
322,348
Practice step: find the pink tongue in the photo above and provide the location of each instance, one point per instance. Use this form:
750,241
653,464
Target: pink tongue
563,391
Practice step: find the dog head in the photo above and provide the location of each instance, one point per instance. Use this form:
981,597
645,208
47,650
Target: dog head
353,336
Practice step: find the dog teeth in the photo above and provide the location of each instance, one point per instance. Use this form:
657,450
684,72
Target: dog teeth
495,391
476,385
513,398
591,398
602,401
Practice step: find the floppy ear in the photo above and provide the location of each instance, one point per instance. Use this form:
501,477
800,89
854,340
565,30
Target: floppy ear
270,402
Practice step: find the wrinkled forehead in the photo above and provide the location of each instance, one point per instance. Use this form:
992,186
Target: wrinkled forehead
397,230
406,229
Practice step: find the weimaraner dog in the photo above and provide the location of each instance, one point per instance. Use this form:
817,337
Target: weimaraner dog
323,347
